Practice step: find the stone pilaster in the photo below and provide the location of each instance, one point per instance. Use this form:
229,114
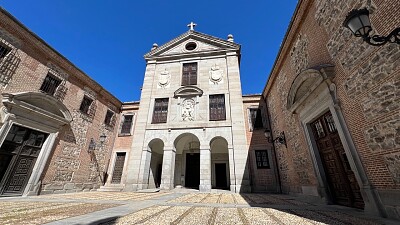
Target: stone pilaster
168,169
205,170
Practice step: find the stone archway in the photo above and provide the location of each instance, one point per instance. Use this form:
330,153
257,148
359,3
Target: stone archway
220,163
156,147
187,161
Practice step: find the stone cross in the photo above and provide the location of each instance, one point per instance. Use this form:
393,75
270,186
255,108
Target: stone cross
191,25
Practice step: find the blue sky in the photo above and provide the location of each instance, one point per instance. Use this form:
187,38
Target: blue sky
108,38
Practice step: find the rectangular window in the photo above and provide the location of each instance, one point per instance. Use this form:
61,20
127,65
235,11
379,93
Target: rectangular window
255,119
189,74
109,116
262,159
4,50
126,125
85,104
217,107
160,110
50,84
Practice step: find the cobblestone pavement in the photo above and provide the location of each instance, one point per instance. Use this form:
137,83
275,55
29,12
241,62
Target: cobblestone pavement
175,208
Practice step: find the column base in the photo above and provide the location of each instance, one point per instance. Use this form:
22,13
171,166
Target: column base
241,188
205,188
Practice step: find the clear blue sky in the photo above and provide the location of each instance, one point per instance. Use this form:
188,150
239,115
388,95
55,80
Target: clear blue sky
108,38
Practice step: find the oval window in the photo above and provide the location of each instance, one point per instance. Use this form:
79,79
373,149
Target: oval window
190,46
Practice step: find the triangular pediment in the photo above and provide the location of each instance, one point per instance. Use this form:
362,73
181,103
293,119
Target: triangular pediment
200,44
188,91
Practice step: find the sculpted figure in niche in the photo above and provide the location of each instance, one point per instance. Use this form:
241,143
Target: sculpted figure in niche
188,110
164,78
215,74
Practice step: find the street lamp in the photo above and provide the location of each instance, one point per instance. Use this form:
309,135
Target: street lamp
280,139
93,145
358,22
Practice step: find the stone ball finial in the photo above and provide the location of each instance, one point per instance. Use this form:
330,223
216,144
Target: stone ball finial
155,45
230,37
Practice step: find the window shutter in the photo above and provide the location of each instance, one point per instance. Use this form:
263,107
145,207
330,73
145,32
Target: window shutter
8,66
92,109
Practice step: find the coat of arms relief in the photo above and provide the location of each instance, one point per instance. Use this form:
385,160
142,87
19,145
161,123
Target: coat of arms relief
215,74
187,109
164,79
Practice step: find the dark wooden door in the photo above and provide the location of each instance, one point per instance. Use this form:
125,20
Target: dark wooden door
192,175
342,182
18,155
118,168
220,176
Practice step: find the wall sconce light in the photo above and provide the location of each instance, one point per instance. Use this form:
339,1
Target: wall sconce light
281,139
358,22
93,145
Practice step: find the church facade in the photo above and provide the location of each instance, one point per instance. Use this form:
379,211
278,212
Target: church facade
190,128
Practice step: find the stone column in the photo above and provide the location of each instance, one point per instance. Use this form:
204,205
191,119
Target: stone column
168,169
144,170
205,170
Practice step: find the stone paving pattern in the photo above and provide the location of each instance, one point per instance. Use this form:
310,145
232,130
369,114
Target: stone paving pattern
110,208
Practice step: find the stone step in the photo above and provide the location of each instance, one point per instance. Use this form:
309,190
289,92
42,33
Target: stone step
111,188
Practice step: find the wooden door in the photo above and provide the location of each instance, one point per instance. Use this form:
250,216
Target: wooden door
118,168
342,182
192,174
18,155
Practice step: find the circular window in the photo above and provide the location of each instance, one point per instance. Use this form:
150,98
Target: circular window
190,46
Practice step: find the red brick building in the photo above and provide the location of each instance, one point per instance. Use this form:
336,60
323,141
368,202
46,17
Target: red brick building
337,100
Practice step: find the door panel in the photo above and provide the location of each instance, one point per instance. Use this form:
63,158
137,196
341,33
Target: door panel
18,155
341,179
220,176
118,168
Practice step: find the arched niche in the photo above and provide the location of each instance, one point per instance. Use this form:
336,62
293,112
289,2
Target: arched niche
305,83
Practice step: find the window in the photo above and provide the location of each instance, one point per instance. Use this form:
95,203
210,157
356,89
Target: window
126,124
50,84
85,104
255,119
4,50
109,117
262,159
189,74
217,107
160,110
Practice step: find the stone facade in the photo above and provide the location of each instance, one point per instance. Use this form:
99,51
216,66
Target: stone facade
358,84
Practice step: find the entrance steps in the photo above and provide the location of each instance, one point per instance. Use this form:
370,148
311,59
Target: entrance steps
111,188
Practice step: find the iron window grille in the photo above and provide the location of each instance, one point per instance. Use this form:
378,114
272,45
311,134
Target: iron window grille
262,159
50,84
126,125
160,110
217,107
85,104
9,61
189,74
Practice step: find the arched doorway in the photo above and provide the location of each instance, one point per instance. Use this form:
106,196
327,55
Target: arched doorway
187,161
156,147
220,163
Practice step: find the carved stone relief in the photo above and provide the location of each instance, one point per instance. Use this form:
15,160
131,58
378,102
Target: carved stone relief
164,79
188,110
215,74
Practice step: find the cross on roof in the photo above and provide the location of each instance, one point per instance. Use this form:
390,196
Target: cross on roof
191,25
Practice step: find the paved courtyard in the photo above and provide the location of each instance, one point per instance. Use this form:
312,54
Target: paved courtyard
175,208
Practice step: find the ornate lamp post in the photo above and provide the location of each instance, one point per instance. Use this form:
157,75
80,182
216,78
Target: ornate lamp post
358,22
281,139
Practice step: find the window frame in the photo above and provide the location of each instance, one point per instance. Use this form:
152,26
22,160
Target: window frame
49,79
122,124
87,110
257,159
219,116
160,110
108,119
259,112
187,77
